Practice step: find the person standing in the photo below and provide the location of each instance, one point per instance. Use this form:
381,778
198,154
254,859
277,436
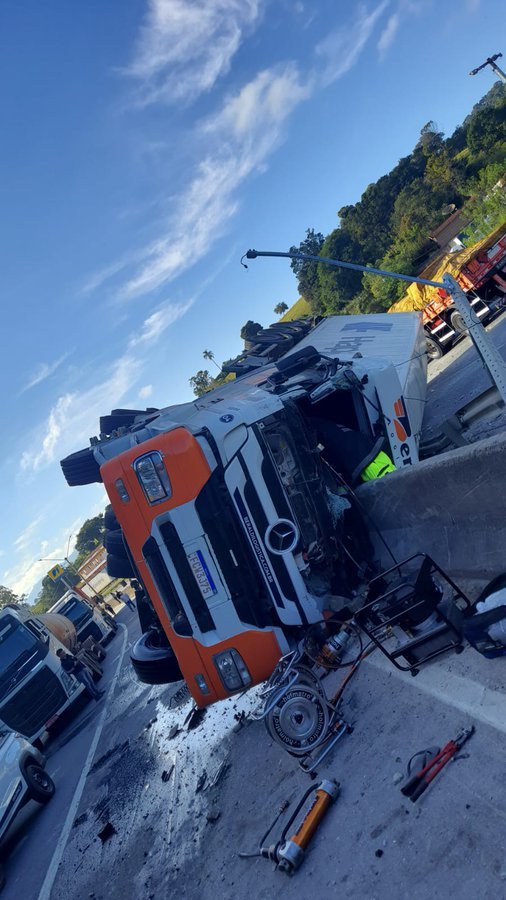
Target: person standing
123,596
74,666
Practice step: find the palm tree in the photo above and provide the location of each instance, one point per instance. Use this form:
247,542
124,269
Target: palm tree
208,354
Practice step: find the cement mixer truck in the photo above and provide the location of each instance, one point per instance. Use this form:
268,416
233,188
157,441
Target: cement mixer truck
34,689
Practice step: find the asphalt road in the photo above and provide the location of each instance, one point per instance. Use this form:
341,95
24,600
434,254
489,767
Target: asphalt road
29,847
458,377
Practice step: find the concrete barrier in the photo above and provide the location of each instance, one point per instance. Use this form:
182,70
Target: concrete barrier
452,507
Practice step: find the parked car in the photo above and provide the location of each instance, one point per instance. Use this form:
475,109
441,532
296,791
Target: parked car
22,778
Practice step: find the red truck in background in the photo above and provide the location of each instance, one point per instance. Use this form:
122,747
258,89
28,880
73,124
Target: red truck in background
481,272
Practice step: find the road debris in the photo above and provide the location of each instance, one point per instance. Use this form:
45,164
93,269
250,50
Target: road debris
201,782
107,832
213,816
194,718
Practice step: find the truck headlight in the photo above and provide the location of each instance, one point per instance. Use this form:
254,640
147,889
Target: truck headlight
232,670
153,477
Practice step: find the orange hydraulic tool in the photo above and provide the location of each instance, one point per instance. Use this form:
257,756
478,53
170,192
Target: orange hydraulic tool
289,853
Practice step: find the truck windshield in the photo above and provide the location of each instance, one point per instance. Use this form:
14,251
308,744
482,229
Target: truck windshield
77,611
20,650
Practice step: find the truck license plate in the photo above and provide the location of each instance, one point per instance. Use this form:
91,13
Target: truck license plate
202,574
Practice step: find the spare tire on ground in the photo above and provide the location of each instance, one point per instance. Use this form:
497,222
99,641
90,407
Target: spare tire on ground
153,659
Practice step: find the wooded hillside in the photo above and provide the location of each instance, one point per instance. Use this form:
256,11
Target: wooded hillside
390,225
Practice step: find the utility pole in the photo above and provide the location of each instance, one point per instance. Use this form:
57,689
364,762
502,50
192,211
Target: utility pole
491,61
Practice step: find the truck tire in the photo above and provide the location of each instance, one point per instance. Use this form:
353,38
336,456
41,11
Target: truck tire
40,785
433,348
154,661
81,468
110,521
114,543
119,567
458,322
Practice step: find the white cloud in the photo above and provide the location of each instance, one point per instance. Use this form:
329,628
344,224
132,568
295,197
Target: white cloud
387,36
25,574
145,391
340,49
24,540
45,370
38,459
239,140
153,327
263,104
184,47
74,417
246,131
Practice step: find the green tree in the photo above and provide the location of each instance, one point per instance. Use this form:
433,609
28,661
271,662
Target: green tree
201,382
487,128
431,139
8,596
306,271
445,176
487,206
90,534
208,354
338,286
280,308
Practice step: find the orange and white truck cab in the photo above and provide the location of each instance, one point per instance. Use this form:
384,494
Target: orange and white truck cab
231,514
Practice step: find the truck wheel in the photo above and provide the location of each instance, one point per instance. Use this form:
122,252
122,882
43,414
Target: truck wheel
114,543
81,468
154,662
458,323
110,521
40,785
119,567
433,349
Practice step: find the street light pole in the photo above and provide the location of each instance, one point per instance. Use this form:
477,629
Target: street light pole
491,61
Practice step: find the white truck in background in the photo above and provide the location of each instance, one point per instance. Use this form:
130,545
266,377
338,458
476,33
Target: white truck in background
86,619
231,506
34,689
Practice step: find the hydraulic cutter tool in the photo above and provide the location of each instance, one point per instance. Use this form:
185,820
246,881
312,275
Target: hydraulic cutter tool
289,853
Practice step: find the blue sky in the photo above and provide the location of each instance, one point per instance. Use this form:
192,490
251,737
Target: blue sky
145,147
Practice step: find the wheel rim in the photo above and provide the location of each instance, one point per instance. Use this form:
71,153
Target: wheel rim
299,721
40,778
432,351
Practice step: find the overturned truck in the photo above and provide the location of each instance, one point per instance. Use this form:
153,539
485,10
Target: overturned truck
235,511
